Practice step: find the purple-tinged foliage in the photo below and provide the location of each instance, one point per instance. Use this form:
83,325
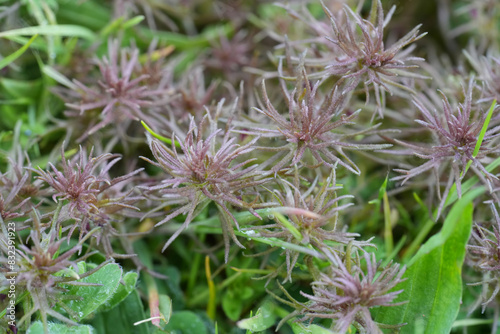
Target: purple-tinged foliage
85,183
314,215
16,189
38,271
359,55
456,133
488,74
204,171
347,293
312,119
120,95
484,257
364,57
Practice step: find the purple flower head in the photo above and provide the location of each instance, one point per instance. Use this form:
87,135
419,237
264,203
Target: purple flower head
314,123
42,269
204,171
456,133
347,295
484,257
121,94
364,57
85,183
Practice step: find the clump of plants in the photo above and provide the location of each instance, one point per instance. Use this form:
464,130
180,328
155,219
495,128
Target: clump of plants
246,166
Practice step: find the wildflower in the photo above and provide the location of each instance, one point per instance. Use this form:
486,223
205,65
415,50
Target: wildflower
309,126
39,269
360,55
456,134
231,55
86,189
15,191
204,172
120,95
313,218
347,293
484,256
192,95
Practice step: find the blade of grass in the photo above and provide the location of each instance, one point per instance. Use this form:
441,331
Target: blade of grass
13,56
389,243
58,77
286,223
68,30
482,133
211,290
160,137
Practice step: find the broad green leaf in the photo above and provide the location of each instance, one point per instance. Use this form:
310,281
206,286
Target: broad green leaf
165,304
232,305
68,30
186,322
262,320
445,232
93,297
121,319
10,58
21,89
55,328
129,280
434,280
449,225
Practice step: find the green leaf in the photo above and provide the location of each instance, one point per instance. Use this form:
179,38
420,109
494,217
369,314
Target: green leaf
434,280
121,319
93,297
10,58
232,305
449,226
165,304
263,319
446,230
58,76
186,322
54,328
21,89
123,290
299,328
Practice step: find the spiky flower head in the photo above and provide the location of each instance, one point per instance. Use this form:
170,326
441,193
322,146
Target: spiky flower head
456,132
120,96
205,170
355,51
42,269
85,183
315,123
348,292
484,257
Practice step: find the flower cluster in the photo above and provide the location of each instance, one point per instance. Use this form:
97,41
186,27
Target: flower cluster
204,171
456,134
